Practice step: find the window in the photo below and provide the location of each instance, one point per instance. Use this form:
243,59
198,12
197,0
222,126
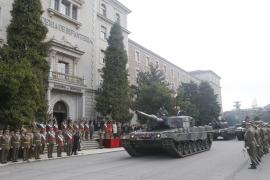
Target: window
172,72
103,32
137,56
103,10
147,61
67,6
63,67
102,56
74,12
117,17
157,64
165,69
57,5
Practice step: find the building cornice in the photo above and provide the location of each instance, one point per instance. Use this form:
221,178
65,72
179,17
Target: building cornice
74,50
120,6
111,22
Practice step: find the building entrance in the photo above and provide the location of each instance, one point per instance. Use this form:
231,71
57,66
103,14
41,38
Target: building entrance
60,112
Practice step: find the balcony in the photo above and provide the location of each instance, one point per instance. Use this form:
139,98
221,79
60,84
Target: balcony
66,78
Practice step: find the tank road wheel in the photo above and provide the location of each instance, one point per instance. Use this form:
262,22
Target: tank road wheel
180,149
193,147
186,148
201,145
197,145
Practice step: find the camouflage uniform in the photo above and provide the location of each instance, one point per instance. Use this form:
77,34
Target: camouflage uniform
251,145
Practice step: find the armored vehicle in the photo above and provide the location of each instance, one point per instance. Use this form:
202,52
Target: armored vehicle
222,131
175,135
240,130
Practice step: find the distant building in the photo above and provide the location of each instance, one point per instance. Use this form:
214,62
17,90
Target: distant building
213,79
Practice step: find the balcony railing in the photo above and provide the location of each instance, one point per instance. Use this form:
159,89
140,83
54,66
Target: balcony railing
66,78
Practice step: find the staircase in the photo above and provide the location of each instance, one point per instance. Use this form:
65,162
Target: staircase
85,145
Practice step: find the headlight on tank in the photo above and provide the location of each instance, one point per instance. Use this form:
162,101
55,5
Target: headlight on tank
158,135
132,136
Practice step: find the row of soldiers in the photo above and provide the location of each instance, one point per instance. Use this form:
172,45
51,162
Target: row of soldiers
257,141
31,141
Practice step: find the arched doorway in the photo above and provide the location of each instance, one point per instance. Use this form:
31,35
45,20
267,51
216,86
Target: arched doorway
60,112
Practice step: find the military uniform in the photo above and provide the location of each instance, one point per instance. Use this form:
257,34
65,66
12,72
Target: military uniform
37,143
15,145
68,141
5,145
251,145
60,143
25,141
50,137
43,138
86,131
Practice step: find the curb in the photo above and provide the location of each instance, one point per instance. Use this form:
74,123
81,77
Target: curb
80,153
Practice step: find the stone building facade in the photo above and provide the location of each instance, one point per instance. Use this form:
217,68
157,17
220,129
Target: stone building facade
77,34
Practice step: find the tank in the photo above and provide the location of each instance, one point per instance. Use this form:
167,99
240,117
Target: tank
240,130
222,131
175,135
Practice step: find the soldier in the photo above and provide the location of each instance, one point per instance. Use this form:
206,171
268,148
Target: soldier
259,151
43,138
60,143
265,139
37,143
1,134
101,135
68,141
15,143
251,145
50,138
5,145
86,130
25,141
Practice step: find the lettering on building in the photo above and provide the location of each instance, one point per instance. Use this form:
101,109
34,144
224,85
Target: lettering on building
64,29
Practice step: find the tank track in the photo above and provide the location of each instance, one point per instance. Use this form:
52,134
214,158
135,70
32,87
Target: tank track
188,148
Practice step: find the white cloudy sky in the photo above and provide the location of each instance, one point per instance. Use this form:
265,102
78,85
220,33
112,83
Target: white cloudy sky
230,37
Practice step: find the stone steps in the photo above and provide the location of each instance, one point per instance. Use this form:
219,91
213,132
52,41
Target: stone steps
85,145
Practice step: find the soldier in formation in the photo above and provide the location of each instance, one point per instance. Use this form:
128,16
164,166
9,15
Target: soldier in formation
31,141
257,140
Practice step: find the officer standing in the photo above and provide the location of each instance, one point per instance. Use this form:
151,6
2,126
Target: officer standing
50,137
60,143
15,143
68,141
251,145
25,141
43,138
37,143
5,145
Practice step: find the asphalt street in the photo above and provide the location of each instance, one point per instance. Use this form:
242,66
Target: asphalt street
225,161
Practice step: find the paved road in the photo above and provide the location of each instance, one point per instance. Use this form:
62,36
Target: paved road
225,161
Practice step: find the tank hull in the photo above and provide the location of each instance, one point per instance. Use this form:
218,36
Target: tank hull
177,145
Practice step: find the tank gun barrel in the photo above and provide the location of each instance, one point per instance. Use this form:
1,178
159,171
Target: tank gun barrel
150,116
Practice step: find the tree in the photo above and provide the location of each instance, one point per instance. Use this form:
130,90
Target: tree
25,36
187,99
152,92
113,98
207,104
24,69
